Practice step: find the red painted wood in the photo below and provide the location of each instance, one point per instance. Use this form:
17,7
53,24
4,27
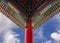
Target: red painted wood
29,33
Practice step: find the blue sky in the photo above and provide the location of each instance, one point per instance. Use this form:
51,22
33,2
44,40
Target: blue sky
49,32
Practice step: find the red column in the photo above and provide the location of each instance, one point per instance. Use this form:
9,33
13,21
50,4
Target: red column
29,33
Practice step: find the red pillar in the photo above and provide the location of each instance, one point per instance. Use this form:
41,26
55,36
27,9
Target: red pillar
29,33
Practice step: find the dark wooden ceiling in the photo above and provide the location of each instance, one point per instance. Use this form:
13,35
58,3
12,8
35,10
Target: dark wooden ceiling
27,6
37,7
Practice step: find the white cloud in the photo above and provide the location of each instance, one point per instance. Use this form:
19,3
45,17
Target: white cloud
6,26
55,36
39,33
11,37
57,18
48,41
5,23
